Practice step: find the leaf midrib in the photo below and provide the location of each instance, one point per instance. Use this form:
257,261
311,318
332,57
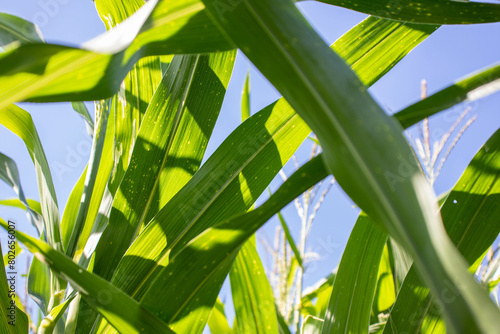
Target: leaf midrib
14,32
172,136
324,105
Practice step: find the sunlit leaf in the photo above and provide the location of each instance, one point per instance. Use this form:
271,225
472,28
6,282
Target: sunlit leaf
356,280
13,319
122,311
362,147
474,202
426,11
252,294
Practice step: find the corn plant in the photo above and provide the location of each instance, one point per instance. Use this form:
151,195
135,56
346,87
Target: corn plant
149,234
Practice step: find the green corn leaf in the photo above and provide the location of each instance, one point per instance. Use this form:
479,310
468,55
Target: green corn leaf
400,262
195,274
194,82
312,325
37,282
71,209
171,28
13,319
15,29
61,73
74,310
81,109
290,240
228,183
20,123
90,178
16,203
323,301
127,111
49,323
135,92
100,203
114,12
123,312
474,202
217,321
376,54
493,284
362,146
10,175
322,287
282,325
356,280
385,293
425,11
345,44
341,45
245,99
473,87
252,294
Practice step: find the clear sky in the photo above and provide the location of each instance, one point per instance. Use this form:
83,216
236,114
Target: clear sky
450,53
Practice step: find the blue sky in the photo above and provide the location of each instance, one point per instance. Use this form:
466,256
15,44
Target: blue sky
450,53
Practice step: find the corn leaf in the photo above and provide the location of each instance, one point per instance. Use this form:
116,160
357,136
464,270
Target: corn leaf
473,87
81,109
49,323
37,282
315,292
362,145
282,325
13,319
61,73
16,203
195,274
90,178
414,37
245,99
227,184
71,209
123,312
15,29
100,204
356,280
312,325
217,321
425,11
385,292
194,82
290,240
400,262
135,92
171,28
375,55
20,123
10,175
252,294
474,202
